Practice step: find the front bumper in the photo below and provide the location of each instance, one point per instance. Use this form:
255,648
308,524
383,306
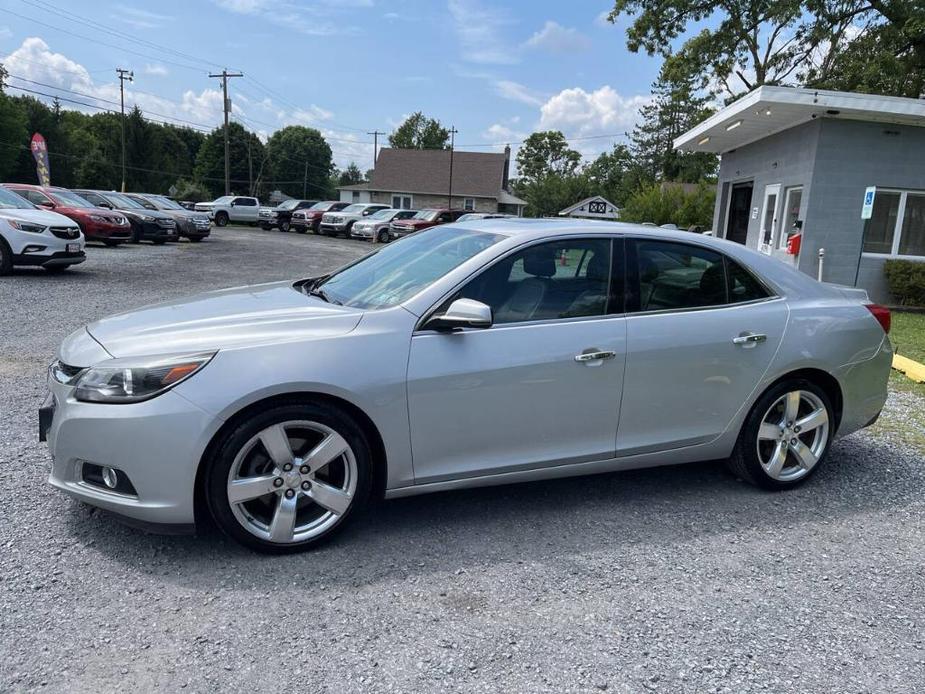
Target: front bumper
329,228
362,233
49,259
151,231
108,232
157,444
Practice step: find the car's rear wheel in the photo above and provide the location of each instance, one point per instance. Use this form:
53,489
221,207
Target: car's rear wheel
786,436
221,219
289,478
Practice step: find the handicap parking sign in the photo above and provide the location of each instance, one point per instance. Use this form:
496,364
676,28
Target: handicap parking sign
868,209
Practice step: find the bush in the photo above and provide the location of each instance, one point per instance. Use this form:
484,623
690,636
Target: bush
667,204
906,279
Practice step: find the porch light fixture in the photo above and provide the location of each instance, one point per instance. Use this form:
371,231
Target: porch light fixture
733,126
704,140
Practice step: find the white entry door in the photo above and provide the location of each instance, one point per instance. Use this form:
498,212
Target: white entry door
769,218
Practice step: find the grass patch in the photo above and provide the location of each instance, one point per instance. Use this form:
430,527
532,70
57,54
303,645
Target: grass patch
908,337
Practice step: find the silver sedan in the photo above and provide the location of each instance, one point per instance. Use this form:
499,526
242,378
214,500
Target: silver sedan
487,353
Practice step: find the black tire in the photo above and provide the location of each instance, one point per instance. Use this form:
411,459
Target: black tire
284,226
158,242
300,230
348,230
383,236
136,234
195,239
745,462
265,227
6,258
219,466
56,269
221,219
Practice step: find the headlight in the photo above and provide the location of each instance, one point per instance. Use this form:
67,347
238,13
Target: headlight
134,379
147,218
26,226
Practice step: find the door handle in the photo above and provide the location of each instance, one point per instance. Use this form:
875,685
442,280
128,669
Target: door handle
594,356
749,338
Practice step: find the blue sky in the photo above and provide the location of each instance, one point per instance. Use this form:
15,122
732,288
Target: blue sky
497,71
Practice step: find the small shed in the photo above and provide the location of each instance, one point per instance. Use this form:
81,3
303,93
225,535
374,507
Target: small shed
845,170
595,207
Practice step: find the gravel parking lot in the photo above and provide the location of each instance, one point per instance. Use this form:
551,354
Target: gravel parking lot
671,579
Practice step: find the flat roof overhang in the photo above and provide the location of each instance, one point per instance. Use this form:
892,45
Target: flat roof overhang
769,110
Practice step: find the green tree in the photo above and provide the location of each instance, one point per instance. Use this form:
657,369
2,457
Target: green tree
246,156
753,42
14,135
299,155
676,106
614,175
547,195
420,132
546,153
350,176
664,203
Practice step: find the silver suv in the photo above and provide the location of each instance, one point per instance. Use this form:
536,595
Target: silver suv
376,226
337,223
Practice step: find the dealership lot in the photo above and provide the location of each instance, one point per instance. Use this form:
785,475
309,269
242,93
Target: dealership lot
670,579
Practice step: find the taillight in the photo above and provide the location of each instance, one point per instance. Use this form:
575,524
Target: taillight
882,314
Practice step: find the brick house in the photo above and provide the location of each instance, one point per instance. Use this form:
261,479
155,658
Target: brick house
420,178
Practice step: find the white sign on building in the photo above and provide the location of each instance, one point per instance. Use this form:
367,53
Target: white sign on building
596,207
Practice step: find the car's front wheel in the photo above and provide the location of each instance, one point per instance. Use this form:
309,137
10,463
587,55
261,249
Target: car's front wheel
221,219
289,478
383,236
284,226
785,437
6,258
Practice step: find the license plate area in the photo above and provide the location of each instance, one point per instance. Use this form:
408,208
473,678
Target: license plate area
73,248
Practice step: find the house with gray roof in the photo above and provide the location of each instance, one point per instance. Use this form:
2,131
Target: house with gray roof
421,178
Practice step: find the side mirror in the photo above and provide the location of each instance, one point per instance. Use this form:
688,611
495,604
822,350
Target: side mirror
48,204
462,313
105,205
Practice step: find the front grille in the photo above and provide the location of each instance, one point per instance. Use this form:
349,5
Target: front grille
166,223
64,373
65,232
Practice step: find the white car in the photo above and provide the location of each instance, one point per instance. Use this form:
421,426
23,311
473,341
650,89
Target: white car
336,223
30,236
236,209
504,351
376,226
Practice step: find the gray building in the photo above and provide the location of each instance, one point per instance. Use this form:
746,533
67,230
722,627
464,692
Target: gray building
800,160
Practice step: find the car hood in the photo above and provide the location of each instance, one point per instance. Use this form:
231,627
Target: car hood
45,217
132,212
237,317
413,223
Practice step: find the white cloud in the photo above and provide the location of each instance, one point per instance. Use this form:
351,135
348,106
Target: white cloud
477,29
555,38
141,19
603,19
501,134
156,69
320,19
310,115
580,113
5,32
515,91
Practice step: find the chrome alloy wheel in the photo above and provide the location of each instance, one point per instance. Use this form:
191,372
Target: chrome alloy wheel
292,481
793,435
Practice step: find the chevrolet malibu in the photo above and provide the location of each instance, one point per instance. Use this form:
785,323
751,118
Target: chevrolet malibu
505,350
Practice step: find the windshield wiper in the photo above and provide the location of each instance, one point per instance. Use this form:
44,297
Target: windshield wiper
323,295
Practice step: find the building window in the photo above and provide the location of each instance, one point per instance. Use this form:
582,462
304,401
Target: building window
468,204
356,196
402,202
897,224
792,201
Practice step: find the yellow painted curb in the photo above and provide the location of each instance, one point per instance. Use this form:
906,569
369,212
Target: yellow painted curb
911,368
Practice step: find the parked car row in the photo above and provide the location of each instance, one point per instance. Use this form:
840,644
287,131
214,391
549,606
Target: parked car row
48,226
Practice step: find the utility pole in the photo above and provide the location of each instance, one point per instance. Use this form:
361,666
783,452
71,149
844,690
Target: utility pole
453,132
226,102
124,75
305,181
375,134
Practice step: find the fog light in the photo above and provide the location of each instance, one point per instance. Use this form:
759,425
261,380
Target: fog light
110,477
33,249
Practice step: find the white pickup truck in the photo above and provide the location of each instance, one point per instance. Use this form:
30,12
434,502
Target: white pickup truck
236,209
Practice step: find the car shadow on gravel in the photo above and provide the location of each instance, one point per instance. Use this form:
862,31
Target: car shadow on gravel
533,522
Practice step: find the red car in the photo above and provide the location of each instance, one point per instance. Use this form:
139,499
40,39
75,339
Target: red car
424,219
112,228
303,220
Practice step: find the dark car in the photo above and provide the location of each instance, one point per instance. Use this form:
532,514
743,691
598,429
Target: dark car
194,226
282,214
111,228
147,225
424,219
303,220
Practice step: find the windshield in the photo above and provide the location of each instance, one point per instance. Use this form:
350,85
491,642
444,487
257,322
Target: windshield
354,209
121,202
401,270
165,203
69,199
426,215
12,201
287,205
323,206
383,214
